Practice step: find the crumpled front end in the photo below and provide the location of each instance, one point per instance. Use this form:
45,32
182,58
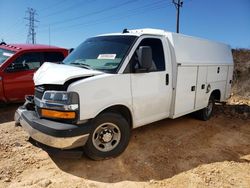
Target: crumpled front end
49,132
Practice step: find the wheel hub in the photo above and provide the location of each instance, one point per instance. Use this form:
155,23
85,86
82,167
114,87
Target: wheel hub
106,135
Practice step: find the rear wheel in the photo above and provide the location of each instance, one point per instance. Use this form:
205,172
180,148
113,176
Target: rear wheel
206,113
109,136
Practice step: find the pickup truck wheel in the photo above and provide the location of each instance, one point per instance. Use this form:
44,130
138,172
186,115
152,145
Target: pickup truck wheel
109,136
205,113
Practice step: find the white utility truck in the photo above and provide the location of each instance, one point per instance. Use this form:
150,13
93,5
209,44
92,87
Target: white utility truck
113,83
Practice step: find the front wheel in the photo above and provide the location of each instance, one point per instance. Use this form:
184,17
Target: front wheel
206,113
109,136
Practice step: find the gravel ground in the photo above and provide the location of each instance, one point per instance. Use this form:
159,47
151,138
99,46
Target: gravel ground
184,152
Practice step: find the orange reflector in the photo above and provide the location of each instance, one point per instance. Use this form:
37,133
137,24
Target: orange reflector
58,114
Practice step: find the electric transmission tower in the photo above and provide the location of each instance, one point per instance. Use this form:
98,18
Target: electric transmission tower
31,37
178,4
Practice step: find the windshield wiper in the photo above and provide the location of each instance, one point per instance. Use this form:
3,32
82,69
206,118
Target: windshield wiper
86,66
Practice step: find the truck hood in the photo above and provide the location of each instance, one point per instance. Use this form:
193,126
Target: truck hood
51,73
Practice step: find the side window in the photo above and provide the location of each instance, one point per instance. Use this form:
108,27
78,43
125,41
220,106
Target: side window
27,61
53,56
158,63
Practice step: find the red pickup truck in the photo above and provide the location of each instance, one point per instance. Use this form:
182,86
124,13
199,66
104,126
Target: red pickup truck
18,62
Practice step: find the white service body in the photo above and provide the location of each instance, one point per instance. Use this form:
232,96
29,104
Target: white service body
189,62
192,74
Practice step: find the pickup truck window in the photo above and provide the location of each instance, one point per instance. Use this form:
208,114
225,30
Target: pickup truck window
27,61
104,53
5,54
157,55
33,60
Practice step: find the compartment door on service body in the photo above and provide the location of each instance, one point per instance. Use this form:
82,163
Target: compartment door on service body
185,90
150,91
201,99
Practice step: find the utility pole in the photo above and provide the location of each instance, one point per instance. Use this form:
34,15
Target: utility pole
178,4
31,37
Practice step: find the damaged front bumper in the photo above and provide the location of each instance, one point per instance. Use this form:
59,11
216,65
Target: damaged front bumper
52,133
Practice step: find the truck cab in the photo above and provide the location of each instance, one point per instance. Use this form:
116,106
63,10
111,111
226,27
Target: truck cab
115,82
18,63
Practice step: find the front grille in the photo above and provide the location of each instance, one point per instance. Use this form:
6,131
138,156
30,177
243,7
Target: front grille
39,93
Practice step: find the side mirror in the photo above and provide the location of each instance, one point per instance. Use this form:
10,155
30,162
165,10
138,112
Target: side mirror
144,58
10,68
71,50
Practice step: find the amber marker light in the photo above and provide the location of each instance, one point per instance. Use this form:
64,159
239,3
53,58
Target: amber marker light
57,114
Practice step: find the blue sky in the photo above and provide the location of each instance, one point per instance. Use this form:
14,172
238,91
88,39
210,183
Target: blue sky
72,21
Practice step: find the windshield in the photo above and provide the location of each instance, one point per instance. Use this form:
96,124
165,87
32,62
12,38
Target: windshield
104,53
5,54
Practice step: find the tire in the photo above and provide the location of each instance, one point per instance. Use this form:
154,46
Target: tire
206,113
3,104
109,136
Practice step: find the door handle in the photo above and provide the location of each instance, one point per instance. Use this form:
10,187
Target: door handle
203,86
193,88
167,79
218,70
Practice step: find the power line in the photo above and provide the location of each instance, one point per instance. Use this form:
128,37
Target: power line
74,5
56,4
31,37
178,4
135,11
144,7
93,13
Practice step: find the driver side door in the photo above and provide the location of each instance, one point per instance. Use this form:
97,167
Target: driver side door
18,76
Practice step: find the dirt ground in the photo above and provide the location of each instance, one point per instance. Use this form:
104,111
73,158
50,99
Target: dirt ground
184,152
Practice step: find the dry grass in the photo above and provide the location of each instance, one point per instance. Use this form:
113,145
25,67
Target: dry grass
241,83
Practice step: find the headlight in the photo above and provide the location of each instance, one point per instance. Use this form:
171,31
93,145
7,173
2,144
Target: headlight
60,100
58,105
56,96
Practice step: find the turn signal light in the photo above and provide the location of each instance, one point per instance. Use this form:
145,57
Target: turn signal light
57,114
